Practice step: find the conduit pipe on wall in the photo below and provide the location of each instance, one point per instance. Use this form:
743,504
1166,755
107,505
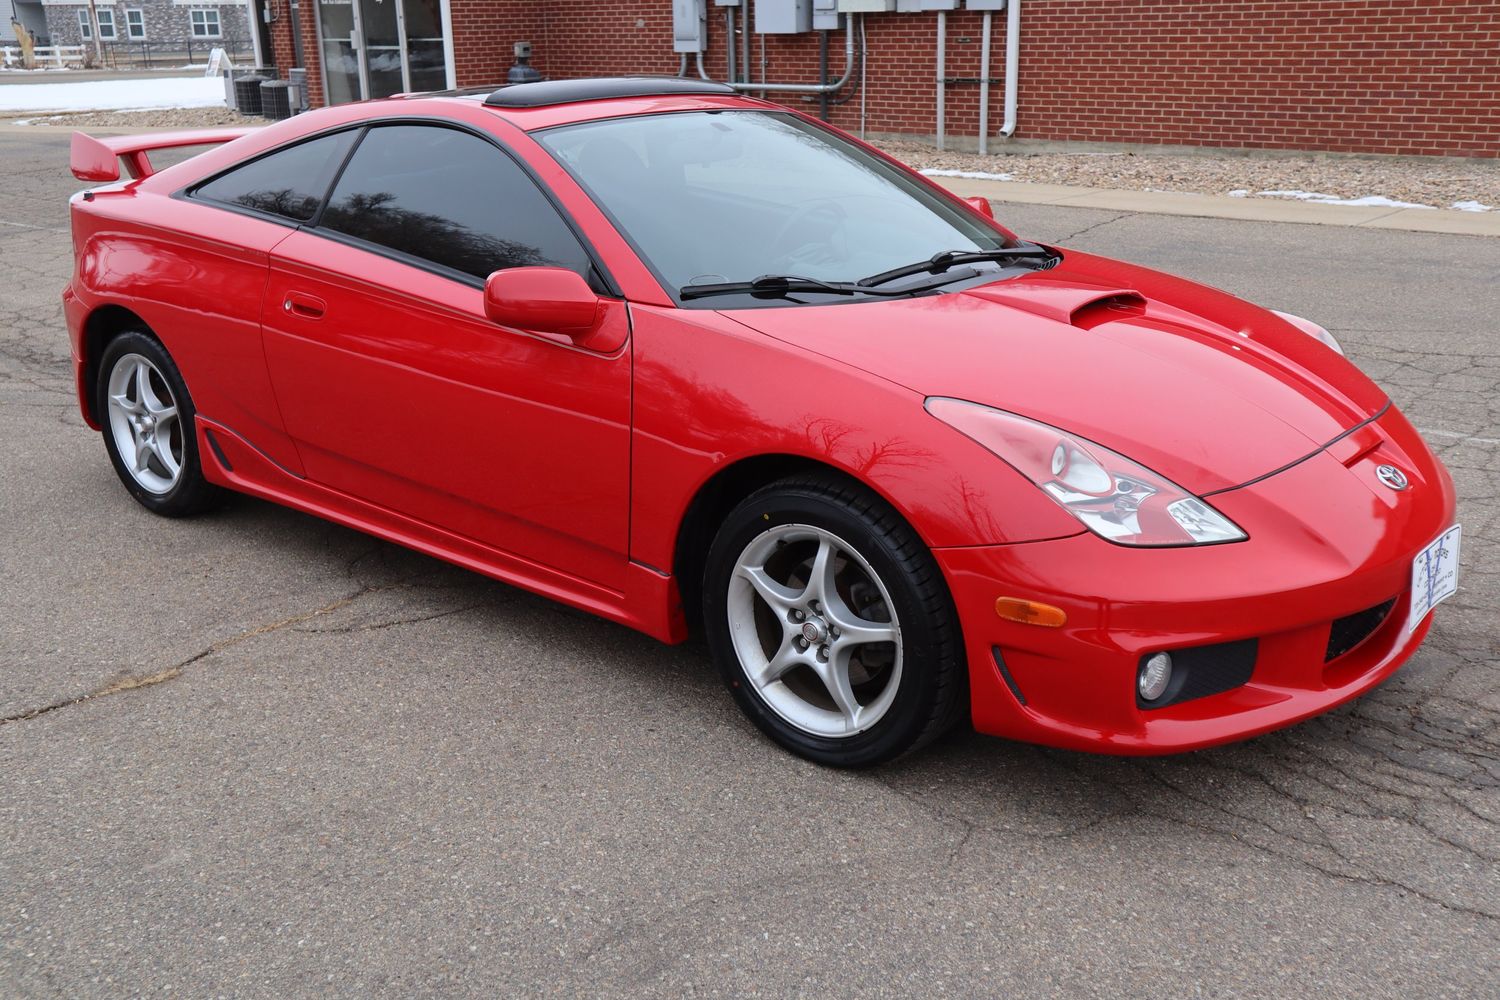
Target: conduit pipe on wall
1012,66
984,87
729,45
942,82
850,27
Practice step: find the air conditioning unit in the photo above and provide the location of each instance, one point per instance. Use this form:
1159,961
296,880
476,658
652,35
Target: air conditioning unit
276,100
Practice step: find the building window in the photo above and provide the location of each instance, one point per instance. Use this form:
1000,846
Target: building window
135,24
106,25
205,23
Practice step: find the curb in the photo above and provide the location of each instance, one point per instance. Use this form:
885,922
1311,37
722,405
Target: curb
1416,220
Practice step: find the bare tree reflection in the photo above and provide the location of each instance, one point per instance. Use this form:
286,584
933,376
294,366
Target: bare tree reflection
374,217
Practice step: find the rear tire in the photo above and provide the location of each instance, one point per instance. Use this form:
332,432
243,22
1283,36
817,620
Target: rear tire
150,427
831,624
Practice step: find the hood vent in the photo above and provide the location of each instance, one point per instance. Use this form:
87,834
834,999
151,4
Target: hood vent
1080,305
1119,305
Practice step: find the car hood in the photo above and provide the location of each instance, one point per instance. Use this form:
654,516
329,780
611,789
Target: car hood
1192,382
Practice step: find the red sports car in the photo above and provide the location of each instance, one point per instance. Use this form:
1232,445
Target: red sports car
679,357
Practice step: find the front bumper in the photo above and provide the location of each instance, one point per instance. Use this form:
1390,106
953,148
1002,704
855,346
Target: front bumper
1327,540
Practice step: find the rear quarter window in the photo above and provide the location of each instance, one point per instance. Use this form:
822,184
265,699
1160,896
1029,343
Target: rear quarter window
289,183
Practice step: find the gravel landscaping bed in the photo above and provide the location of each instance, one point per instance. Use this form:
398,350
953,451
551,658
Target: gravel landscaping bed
161,118
1433,183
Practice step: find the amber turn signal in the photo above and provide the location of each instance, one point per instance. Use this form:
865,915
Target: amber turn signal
1030,612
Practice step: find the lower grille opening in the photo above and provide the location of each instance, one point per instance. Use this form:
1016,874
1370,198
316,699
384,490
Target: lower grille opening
1351,630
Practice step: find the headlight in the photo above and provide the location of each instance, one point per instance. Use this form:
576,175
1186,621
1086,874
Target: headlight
1115,498
1310,328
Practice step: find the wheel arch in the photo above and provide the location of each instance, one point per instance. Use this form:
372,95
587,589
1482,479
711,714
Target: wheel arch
721,492
101,326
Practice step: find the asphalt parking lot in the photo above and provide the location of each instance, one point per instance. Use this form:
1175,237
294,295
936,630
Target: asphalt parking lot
255,754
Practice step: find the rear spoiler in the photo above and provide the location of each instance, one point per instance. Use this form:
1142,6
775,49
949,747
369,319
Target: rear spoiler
99,159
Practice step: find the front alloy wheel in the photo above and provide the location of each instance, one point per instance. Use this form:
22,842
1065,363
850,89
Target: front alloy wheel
813,629
831,623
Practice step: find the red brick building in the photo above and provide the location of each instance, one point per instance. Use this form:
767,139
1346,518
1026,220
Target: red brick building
1366,76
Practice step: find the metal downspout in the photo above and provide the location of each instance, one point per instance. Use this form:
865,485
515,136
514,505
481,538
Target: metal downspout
1012,65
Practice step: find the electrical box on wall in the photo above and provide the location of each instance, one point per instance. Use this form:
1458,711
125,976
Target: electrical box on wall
825,15
726,3
984,4
783,17
866,6
689,26
918,6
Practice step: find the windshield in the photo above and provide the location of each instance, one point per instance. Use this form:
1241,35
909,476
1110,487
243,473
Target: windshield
708,197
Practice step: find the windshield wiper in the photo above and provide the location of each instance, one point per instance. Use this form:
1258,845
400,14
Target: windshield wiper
940,262
775,286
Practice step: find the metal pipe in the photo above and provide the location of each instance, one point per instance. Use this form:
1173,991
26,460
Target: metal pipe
942,71
863,59
1012,65
808,88
682,65
729,43
823,74
984,87
763,65
744,45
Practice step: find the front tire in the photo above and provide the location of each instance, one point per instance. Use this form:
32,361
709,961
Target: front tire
831,624
150,430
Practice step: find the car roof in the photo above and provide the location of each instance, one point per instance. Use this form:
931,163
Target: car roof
532,106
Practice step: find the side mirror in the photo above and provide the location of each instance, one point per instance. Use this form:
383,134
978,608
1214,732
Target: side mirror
542,300
982,206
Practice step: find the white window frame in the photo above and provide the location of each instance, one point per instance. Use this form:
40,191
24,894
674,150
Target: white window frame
106,16
195,22
85,26
135,18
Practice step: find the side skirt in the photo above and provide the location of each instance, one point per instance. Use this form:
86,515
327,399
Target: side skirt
650,604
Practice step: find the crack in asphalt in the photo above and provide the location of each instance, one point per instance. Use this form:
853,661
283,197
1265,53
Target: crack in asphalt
1098,225
133,683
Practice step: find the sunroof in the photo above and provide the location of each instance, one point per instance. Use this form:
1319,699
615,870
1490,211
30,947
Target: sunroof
538,95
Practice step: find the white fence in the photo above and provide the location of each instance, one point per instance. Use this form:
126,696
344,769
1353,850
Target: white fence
47,56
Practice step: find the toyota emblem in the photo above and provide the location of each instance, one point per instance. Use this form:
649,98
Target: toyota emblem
1391,476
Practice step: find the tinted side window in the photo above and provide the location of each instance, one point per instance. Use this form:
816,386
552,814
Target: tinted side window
289,183
450,198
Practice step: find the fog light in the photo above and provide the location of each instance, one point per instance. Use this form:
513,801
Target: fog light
1156,674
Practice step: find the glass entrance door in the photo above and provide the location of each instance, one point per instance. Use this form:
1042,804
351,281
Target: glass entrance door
375,48
340,51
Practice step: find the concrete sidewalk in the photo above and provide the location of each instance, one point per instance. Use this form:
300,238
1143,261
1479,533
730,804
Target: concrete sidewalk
1419,220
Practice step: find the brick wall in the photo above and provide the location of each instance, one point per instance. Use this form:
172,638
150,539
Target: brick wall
1376,76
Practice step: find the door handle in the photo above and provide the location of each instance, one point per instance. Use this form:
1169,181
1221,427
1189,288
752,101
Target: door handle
304,305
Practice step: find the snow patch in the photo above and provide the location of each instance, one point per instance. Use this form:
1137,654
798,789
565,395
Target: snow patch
115,95
1472,206
974,175
1368,201
1240,193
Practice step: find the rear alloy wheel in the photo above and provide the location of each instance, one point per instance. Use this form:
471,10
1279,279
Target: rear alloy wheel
149,427
831,624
